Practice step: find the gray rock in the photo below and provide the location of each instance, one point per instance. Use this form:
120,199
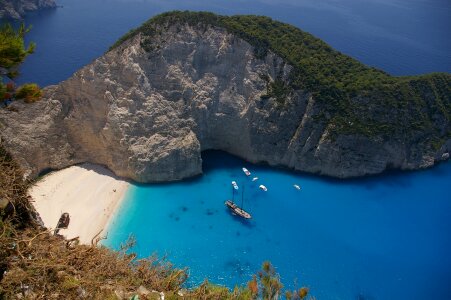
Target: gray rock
148,115
16,9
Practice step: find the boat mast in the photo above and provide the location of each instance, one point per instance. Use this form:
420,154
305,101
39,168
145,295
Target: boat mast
242,197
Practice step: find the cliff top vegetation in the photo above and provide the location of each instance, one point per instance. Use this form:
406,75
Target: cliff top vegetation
354,98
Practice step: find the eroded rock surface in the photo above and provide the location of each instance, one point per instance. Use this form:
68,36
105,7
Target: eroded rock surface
148,113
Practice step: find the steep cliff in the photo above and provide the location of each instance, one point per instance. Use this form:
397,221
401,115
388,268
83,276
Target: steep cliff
265,91
16,9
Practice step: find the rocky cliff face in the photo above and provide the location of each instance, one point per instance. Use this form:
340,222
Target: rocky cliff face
147,110
16,9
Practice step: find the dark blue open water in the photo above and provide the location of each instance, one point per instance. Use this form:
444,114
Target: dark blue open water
402,37
386,237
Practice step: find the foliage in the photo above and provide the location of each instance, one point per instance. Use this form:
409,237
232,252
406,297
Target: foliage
265,285
12,47
351,98
299,294
270,282
30,92
277,89
12,53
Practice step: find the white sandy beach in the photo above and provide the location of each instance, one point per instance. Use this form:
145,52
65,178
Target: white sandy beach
89,193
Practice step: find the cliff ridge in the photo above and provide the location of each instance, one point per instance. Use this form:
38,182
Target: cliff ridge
180,85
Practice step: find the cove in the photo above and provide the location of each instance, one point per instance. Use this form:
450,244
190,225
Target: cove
382,237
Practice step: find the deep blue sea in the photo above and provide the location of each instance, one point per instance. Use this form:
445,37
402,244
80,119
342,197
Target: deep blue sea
384,237
402,37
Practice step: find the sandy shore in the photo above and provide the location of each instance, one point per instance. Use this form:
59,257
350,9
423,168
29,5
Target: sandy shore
89,193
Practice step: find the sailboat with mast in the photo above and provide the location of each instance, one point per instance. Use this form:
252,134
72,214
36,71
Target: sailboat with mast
234,208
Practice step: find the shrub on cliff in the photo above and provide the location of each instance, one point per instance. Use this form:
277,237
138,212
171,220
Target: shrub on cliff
30,92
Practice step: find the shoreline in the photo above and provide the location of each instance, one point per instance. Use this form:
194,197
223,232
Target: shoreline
91,194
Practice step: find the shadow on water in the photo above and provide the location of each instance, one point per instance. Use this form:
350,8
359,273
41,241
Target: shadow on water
362,296
246,223
186,181
214,159
237,266
217,159
211,212
174,217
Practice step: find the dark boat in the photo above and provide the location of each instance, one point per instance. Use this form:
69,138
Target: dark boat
235,209
63,223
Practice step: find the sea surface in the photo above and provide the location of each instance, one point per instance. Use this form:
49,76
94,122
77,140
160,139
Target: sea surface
401,37
384,237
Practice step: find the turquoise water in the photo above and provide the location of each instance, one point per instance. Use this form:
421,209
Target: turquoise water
384,237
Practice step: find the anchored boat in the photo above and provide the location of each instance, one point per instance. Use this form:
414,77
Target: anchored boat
235,186
263,188
235,209
246,171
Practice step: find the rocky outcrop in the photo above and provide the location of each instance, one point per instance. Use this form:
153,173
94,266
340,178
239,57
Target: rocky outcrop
147,111
16,9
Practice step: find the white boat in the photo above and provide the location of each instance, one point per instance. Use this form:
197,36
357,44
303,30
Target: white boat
296,186
246,171
263,188
235,186
255,179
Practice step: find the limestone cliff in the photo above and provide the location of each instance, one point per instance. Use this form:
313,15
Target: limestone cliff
16,9
148,107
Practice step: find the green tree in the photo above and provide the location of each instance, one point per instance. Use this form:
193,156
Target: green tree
13,53
270,282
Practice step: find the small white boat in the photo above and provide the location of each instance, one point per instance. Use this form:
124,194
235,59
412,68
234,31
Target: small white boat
246,171
235,186
296,186
255,179
263,188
